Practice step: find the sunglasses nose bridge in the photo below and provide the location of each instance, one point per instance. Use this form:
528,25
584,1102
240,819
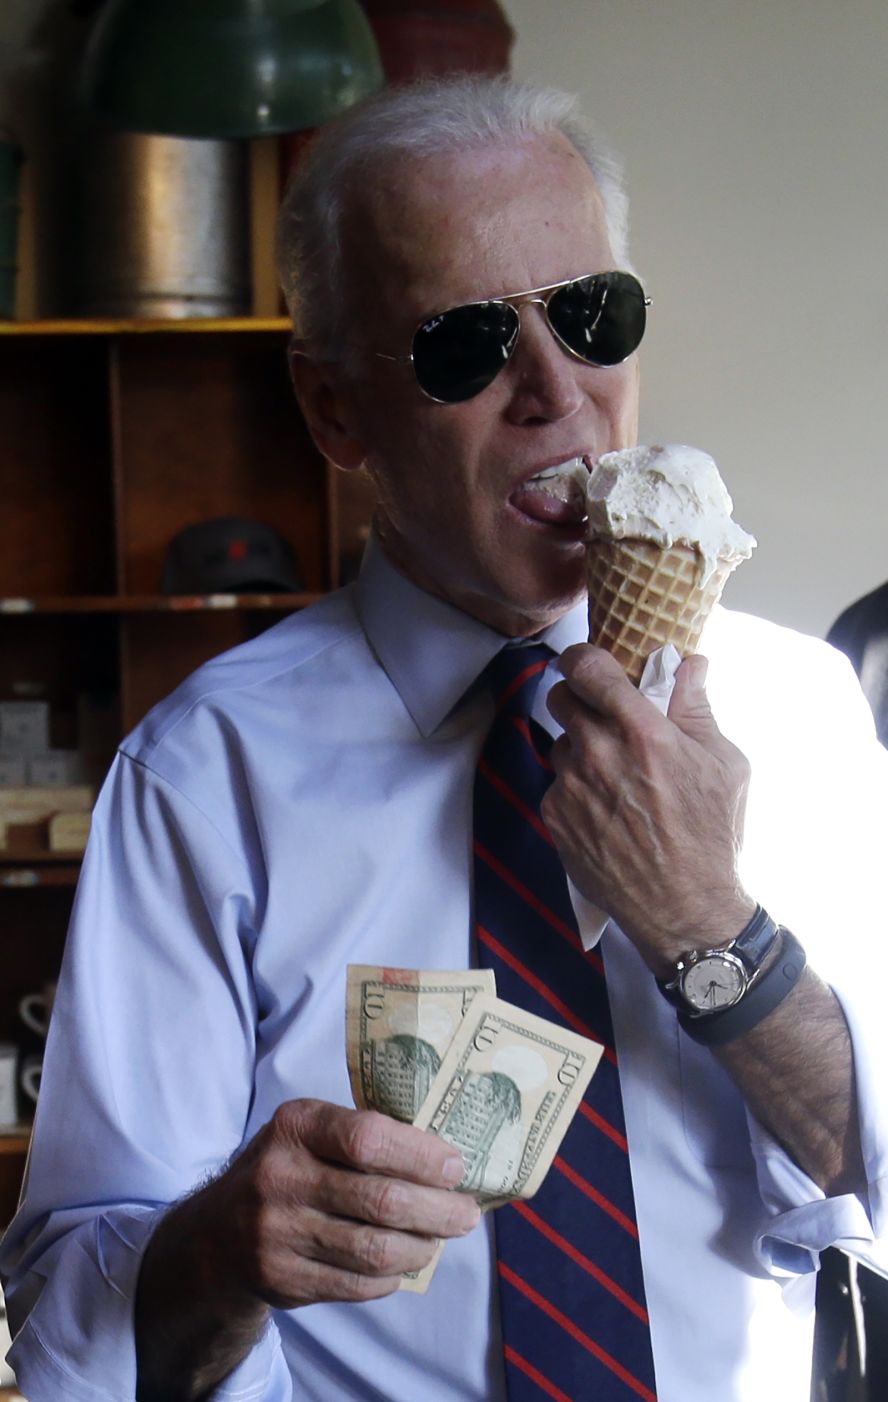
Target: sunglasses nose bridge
528,299
541,299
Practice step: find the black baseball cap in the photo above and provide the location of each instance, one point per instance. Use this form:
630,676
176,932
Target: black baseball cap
230,555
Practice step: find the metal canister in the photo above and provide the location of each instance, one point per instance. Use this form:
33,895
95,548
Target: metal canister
10,162
163,227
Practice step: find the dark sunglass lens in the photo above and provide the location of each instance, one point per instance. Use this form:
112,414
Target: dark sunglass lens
460,352
600,318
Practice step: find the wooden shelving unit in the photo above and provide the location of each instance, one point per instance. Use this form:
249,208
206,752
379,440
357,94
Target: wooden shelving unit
114,436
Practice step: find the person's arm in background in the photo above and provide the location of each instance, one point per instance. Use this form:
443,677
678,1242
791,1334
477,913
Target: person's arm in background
861,633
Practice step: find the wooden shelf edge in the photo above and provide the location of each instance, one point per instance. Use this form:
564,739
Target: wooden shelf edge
24,873
15,1140
102,326
25,857
154,603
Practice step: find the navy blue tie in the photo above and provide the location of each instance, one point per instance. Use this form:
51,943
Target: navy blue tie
575,1325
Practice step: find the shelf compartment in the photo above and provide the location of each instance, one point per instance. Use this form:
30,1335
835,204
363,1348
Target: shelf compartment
56,523
35,919
207,428
49,657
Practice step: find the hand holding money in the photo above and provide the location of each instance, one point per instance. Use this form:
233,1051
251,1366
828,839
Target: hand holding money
498,1083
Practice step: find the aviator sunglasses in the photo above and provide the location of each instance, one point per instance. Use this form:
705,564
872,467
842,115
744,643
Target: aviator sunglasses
456,354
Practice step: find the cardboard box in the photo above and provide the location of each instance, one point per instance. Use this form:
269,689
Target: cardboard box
25,814
68,832
13,769
24,727
55,767
31,803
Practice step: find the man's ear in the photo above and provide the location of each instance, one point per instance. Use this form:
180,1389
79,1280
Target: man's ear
325,409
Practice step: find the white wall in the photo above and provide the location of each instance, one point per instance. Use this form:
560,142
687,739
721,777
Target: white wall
755,134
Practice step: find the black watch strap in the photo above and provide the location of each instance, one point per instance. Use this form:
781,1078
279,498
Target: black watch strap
765,994
755,939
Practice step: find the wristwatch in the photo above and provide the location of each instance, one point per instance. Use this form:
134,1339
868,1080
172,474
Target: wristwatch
709,981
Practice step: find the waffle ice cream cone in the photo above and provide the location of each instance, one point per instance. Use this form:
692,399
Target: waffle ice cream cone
660,548
642,597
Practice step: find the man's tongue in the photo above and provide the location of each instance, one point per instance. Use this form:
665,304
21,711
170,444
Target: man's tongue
554,497
543,506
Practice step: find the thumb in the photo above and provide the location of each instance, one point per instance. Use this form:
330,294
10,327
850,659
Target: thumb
689,707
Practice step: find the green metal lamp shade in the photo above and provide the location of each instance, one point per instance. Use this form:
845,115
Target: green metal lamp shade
228,68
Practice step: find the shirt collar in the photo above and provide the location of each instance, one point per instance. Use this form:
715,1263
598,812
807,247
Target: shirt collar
430,650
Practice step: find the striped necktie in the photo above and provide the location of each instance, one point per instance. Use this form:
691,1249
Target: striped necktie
575,1326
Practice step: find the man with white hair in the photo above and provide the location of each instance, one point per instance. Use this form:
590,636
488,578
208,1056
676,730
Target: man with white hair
204,1218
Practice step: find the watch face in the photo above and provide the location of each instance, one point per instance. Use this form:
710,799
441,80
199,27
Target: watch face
714,982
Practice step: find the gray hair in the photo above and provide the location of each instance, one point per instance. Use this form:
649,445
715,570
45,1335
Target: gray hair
426,118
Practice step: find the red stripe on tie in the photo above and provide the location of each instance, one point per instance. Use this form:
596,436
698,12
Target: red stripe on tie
576,1333
511,797
542,989
522,726
535,1375
604,1126
526,895
517,682
598,1198
606,1281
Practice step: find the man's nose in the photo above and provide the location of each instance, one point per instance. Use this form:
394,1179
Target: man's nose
543,378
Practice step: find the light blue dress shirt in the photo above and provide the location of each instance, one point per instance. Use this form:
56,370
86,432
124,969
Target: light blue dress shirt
302,803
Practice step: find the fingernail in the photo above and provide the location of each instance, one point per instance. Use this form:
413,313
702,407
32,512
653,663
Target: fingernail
454,1171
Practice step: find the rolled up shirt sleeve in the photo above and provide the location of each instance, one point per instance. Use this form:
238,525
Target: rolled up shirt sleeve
146,1088
802,1220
